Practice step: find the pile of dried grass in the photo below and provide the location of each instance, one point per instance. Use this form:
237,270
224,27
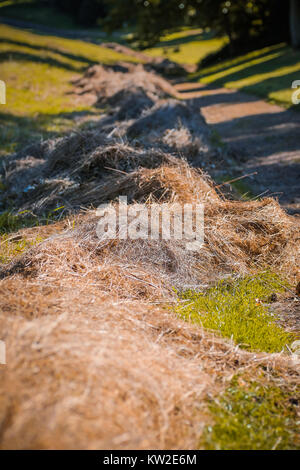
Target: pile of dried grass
240,237
92,361
113,86
87,370
140,130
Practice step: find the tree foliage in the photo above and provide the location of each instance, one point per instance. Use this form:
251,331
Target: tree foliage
242,21
85,12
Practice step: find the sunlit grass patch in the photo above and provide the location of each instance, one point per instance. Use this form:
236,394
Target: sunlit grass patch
238,309
186,46
38,71
33,12
10,247
252,416
267,73
75,50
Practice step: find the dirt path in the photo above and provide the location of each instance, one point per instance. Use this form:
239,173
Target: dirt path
264,137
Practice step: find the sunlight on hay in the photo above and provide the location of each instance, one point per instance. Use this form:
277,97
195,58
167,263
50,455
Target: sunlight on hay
96,360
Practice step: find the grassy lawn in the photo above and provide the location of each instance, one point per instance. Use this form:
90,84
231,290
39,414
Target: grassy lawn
186,46
253,415
267,73
38,70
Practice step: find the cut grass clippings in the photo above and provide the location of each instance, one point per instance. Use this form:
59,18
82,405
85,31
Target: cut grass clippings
238,309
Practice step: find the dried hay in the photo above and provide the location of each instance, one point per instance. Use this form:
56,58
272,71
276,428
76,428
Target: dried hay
240,237
113,86
140,130
86,372
94,359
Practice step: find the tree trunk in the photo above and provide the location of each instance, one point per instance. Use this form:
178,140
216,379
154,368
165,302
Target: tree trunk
295,22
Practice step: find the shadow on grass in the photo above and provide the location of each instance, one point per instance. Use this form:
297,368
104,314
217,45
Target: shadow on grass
19,131
273,84
264,87
33,11
193,36
226,65
22,57
91,36
36,47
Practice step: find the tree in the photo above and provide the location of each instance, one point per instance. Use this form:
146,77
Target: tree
85,12
295,22
246,24
150,17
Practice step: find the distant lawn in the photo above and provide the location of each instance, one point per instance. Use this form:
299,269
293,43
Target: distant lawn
38,70
267,73
186,46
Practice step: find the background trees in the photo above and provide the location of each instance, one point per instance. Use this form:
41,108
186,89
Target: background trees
85,12
295,22
246,23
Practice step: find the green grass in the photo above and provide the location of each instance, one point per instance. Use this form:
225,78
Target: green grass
240,188
38,70
9,249
13,244
238,309
267,73
186,46
10,222
252,416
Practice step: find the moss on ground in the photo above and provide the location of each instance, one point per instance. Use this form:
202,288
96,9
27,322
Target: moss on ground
253,416
238,309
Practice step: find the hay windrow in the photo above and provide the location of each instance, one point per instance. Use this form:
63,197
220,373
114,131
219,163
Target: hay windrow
95,359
